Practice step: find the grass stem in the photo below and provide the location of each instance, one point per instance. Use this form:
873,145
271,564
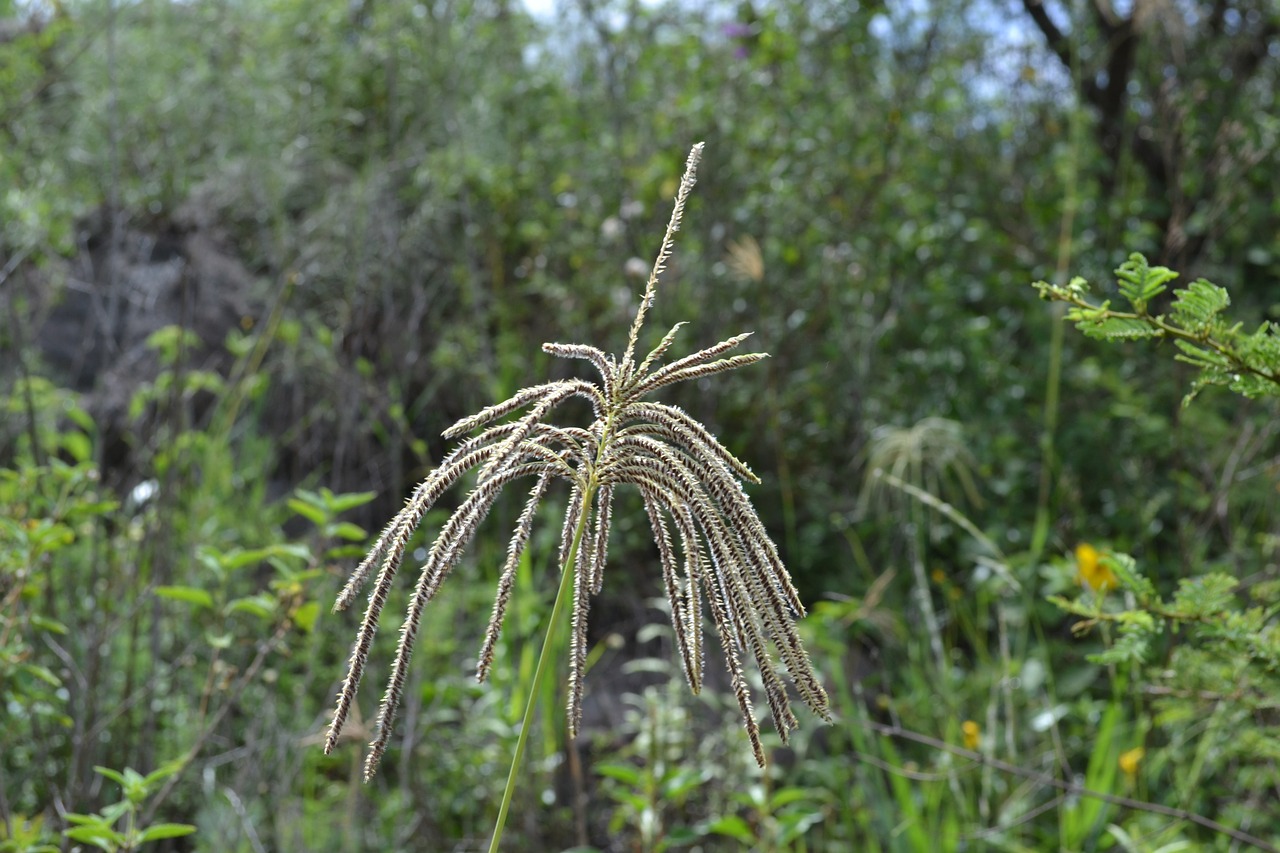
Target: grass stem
544,664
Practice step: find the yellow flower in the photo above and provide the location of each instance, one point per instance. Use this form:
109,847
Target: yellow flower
1092,571
972,734
939,576
1129,763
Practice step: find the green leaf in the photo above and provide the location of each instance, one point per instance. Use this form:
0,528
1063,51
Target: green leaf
169,341
624,773
345,552
1140,283
81,418
1126,571
347,530
46,624
237,559
263,606
114,775
786,796
1201,356
189,594
305,616
308,575
1118,329
106,839
1131,646
732,826
681,836
1071,605
164,771
238,343
350,500
1198,305
49,536
796,825
218,641
637,802
680,783
85,819
310,512
77,445
165,830
1205,596
42,673
211,558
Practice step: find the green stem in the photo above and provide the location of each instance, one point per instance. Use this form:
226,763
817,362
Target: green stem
1196,338
544,660
1053,384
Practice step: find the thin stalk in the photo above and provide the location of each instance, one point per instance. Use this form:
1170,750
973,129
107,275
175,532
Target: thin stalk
544,660
1048,454
1053,382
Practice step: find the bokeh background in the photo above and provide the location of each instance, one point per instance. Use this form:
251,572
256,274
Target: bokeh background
256,254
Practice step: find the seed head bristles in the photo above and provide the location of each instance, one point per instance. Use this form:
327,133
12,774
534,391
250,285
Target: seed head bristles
602,362
666,554
571,514
732,541
578,638
657,352
600,537
662,375
687,181
444,554
690,483
524,398
520,538
695,569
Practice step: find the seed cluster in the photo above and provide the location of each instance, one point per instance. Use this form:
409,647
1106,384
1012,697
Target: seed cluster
721,553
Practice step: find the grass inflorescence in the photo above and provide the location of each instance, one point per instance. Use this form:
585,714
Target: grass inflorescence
719,558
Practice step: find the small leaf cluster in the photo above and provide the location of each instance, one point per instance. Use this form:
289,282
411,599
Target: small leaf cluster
1212,645
1225,354
1211,649
116,827
1204,608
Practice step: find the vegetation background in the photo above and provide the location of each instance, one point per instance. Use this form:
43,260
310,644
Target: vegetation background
256,254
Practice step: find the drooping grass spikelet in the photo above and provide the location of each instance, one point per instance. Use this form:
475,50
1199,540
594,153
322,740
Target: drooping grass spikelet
393,541
571,513
444,554
720,559
666,554
578,635
600,538
515,550
694,571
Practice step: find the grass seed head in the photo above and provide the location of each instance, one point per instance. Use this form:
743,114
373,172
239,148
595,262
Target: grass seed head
691,485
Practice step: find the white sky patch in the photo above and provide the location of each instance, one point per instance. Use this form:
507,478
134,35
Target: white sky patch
541,9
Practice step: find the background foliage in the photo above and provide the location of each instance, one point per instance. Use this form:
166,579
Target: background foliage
254,256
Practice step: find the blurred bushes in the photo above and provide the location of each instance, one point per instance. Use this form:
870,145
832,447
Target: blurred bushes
423,193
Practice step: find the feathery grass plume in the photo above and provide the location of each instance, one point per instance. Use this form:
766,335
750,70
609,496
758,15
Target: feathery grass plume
689,482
